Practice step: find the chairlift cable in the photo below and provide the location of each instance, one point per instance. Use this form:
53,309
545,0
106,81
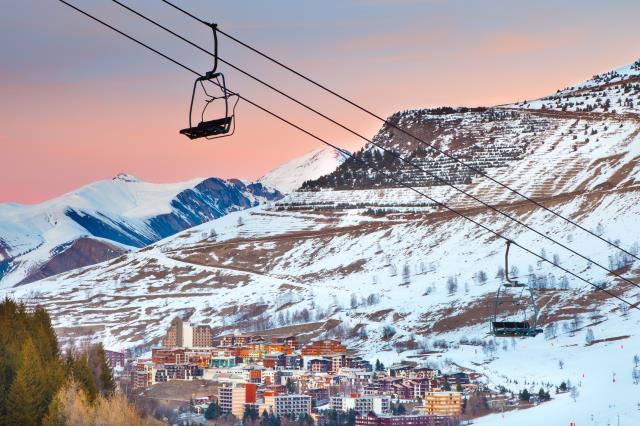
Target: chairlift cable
411,135
348,154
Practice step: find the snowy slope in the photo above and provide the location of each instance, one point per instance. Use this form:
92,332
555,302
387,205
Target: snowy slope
117,215
616,92
290,176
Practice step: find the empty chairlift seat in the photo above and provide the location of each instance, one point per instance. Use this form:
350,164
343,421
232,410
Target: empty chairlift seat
218,126
514,328
219,99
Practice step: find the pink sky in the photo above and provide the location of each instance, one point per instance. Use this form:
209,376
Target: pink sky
121,111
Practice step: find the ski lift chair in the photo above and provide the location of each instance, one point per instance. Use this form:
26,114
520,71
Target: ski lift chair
528,326
217,127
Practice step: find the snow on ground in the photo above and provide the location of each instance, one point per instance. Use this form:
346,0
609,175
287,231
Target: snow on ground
616,91
601,374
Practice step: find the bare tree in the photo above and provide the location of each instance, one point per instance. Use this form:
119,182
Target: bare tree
574,393
551,331
354,301
481,277
393,271
406,274
589,338
388,331
452,285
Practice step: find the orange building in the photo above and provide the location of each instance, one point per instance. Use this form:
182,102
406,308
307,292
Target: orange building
323,348
168,356
172,336
443,403
202,336
239,339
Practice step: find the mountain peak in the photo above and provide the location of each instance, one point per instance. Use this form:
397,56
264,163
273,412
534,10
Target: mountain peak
125,177
290,176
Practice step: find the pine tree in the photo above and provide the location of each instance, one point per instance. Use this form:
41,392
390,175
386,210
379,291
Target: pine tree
105,379
541,395
44,337
26,393
274,420
82,374
250,415
213,411
264,419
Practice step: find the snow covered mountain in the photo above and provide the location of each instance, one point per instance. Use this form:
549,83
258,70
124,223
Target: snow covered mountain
397,277
107,218
615,92
290,176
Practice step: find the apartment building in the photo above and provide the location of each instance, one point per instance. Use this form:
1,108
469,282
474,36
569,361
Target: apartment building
323,348
143,375
202,336
362,404
443,403
184,335
233,398
281,405
408,420
115,359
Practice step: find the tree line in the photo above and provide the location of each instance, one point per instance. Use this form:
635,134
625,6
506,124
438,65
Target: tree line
40,386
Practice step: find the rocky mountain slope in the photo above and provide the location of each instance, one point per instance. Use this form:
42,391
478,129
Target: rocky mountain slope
400,278
291,175
107,218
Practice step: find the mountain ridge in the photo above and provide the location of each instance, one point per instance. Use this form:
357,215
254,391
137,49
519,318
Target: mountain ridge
124,211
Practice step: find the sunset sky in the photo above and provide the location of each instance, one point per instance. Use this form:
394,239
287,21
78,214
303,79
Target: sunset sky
80,103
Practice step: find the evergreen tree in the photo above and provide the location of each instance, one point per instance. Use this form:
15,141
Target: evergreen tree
351,418
264,419
379,365
84,376
274,420
43,335
250,415
291,387
305,419
24,401
542,396
524,395
398,409
213,411
106,383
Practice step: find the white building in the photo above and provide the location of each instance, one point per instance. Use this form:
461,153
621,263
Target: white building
281,405
187,335
362,404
